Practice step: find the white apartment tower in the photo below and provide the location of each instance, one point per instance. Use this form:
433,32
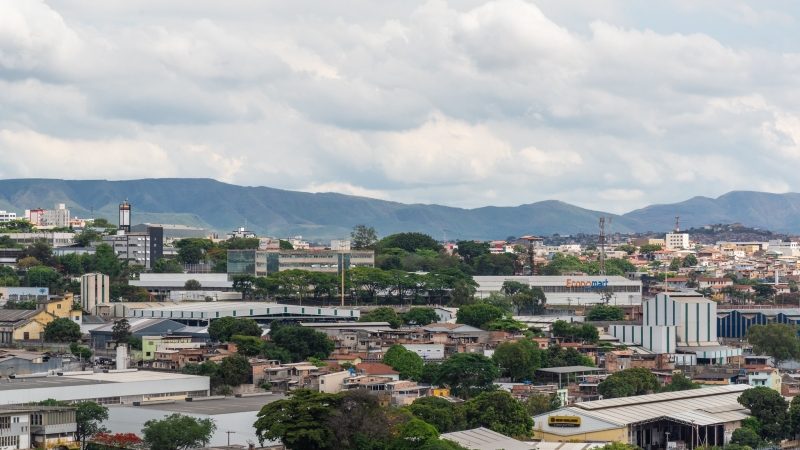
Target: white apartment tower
94,291
677,241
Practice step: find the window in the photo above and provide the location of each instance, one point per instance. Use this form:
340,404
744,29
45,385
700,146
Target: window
5,423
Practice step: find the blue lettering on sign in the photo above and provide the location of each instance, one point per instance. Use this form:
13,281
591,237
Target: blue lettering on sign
587,285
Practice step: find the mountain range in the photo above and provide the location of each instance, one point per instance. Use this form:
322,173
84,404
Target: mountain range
223,207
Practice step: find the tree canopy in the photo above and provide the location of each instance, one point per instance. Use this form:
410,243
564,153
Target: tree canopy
62,330
628,382
777,340
177,432
468,374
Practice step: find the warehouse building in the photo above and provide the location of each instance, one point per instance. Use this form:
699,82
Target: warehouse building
200,314
685,419
571,290
734,323
678,323
234,417
108,388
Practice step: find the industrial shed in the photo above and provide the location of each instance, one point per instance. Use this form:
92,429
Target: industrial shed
699,417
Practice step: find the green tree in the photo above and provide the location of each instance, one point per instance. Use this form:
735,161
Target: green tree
410,242
605,313
89,417
441,413
80,351
541,403
470,250
42,276
628,382
557,356
192,285
777,340
382,314
86,237
223,328
414,433
248,345
301,342
518,360
500,412
468,374
359,422
420,316
494,264
769,408
244,284
794,417
235,370
62,330
299,421
285,245
680,383
193,250
166,265
408,363
363,237
675,264
478,314
368,282
121,331
177,432
689,261
747,437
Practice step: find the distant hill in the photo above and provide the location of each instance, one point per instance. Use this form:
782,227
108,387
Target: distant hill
223,207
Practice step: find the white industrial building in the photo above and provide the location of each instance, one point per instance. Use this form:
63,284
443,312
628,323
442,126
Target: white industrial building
234,417
199,314
164,283
108,388
571,290
682,322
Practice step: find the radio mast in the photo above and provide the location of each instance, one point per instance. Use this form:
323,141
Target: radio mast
602,245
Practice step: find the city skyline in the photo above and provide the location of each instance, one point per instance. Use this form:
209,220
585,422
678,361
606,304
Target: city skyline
466,104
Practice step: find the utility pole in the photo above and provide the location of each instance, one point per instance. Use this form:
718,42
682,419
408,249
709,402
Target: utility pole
229,436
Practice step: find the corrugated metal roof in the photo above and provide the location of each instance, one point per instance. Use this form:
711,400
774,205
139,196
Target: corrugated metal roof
662,397
705,406
570,369
485,439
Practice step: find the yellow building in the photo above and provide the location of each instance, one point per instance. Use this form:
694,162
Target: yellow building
62,307
698,417
23,324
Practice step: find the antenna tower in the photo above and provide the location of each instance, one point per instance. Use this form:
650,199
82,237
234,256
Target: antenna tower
602,245
677,224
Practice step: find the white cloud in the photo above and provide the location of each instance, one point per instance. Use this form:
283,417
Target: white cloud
466,103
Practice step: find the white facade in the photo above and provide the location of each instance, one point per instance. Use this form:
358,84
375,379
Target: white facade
106,388
333,383
133,247
677,241
784,248
57,217
6,216
54,239
571,290
94,291
677,323
340,245
427,351
655,339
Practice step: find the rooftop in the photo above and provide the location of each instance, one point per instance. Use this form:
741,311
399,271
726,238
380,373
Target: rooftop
82,379
227,405
571,369
485,439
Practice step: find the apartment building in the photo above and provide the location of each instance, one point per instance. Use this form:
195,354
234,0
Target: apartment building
7,216
677,241
141,248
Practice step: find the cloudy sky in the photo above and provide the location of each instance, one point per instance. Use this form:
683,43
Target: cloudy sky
605,104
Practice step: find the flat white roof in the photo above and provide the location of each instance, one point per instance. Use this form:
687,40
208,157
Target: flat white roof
214,310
